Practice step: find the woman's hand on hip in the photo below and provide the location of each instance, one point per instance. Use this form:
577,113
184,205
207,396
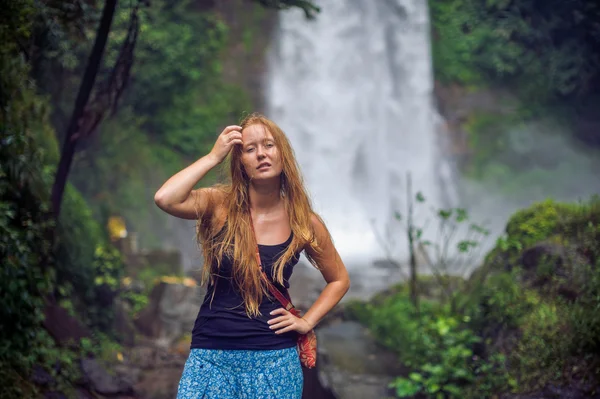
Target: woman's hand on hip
286,322
230,136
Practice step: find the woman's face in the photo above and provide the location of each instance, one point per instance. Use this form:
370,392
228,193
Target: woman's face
260,156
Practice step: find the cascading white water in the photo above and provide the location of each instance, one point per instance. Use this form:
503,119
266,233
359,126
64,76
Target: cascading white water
353,91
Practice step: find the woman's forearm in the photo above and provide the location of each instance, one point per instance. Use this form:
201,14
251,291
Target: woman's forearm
177,189
330,296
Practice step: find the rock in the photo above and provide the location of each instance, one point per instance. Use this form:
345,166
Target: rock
103,382
553,267
151,356
169,261
143,356
153,371
313,389
105,295
171,311
160,383
81,393
63,327
54,395
552,391
40,377
352,365
123,323
130,374
553,253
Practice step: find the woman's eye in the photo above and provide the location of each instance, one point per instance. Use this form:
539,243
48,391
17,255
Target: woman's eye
269,145
249,149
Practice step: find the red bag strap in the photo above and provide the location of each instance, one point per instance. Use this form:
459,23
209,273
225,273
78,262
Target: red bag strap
287,304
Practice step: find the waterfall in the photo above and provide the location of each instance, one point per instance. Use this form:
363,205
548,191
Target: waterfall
352,89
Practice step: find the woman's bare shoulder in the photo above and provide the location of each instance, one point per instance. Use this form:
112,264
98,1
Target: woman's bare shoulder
318,225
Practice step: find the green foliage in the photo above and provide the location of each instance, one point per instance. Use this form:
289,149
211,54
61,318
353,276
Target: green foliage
108,267
448,351
487,138
15,24
26,259
89,269
539,356
176,81
24,223
450,249
394,323
60,363
137,300
547,49
584,318
101,347
24,249
456,53
30,268
436,344
499,304
535,332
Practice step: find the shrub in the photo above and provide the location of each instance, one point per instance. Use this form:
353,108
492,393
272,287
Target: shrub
435,343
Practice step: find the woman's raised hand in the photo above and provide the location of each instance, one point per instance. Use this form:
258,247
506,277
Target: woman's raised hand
230,136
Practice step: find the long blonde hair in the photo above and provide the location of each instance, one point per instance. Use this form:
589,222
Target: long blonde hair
238,228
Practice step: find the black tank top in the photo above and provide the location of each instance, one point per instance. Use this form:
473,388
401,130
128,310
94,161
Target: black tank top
222,322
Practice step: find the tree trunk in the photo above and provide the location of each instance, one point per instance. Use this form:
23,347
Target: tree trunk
85,89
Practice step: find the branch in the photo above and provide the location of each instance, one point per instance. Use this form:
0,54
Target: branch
107,97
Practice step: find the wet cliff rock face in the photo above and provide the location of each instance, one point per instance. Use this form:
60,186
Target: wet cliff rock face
495,122
457,104
171,312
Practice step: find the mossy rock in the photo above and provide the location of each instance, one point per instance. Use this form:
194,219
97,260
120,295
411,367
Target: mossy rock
525,299
555,270
550,250
572,228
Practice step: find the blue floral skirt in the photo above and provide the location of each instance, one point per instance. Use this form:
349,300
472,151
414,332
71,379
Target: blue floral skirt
236,374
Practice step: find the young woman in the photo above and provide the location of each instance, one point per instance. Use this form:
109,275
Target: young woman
244,341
